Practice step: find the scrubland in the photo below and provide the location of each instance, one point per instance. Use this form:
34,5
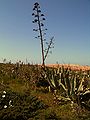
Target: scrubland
33,92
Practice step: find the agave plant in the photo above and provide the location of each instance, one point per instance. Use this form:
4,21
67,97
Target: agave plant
72,82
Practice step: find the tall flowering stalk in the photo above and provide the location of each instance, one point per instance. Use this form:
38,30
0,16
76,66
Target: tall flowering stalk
39,18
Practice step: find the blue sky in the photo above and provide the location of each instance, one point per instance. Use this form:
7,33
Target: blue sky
67,20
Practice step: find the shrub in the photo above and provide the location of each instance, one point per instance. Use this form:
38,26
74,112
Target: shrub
15,106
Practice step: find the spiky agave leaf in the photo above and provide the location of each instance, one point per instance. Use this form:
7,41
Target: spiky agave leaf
68,83
64,88
81,85
73,85
53,82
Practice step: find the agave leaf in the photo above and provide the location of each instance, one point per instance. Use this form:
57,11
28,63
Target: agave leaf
68,83
53,82
81,85
59,81
73,85
64,88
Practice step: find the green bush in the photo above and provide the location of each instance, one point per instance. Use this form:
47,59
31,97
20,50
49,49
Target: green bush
22,106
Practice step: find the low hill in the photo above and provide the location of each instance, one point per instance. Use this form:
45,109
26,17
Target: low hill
72,66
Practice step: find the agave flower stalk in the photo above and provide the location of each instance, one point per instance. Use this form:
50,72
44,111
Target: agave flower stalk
39,18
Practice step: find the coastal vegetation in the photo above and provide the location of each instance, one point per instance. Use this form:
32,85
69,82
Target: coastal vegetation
31,92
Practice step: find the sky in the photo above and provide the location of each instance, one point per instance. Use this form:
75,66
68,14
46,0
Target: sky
67,20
